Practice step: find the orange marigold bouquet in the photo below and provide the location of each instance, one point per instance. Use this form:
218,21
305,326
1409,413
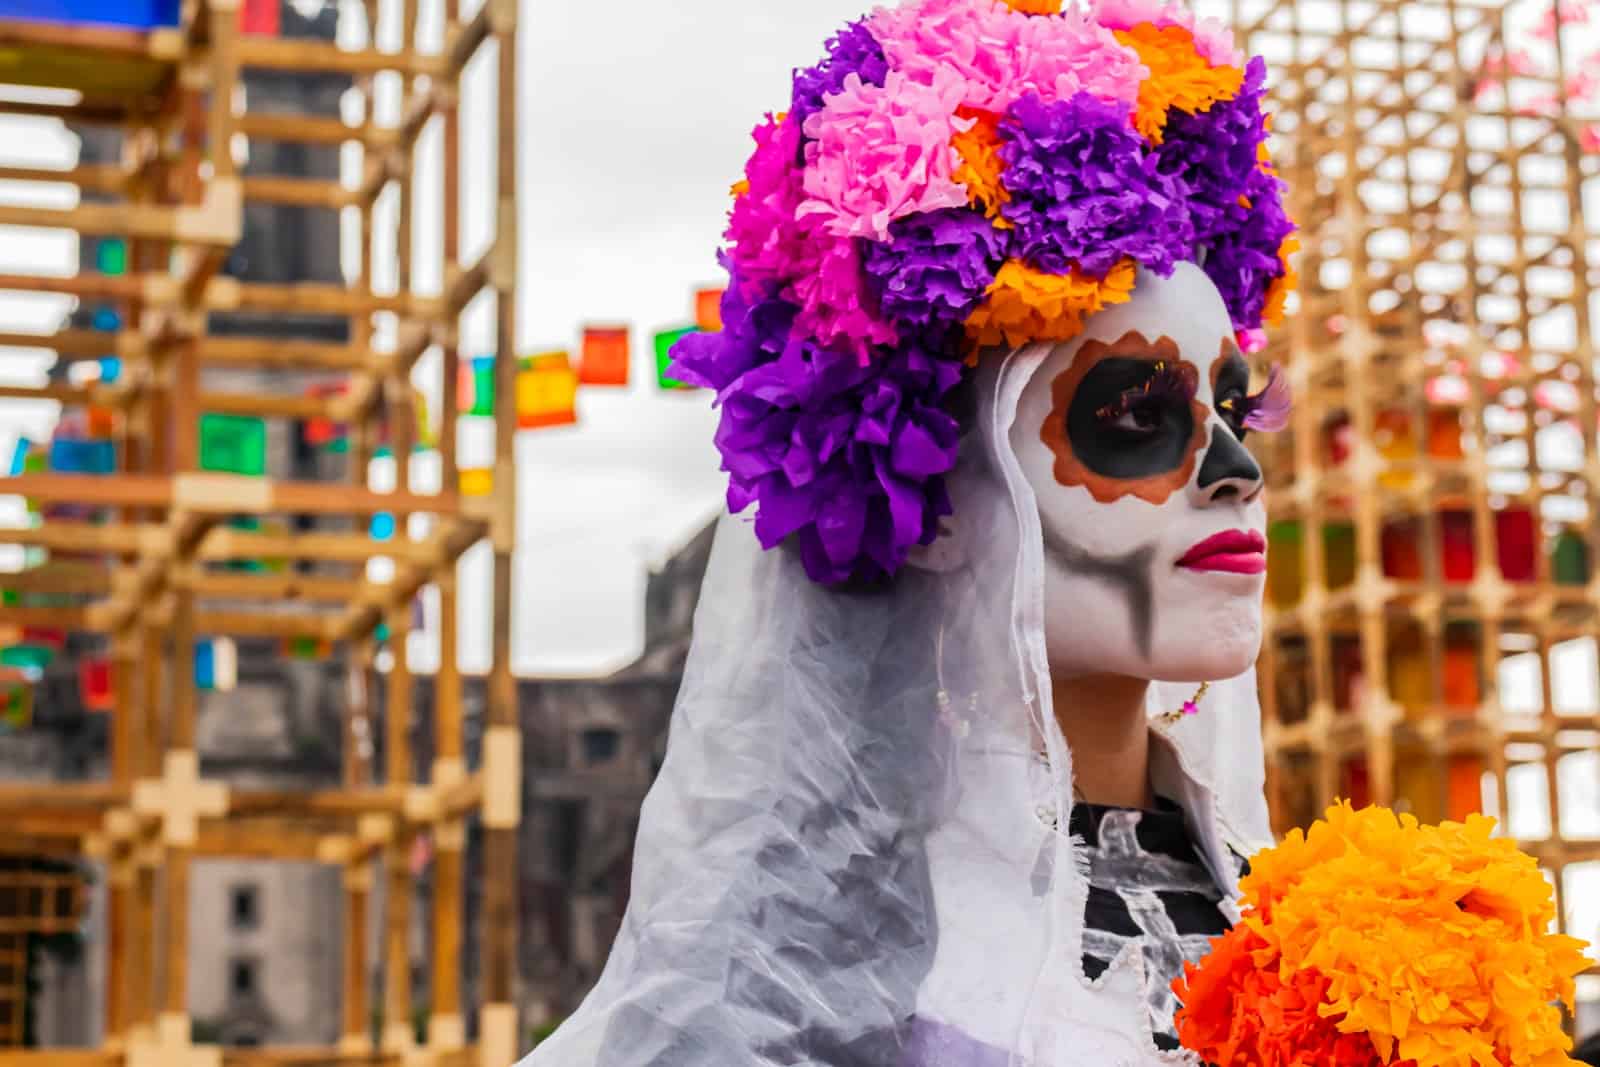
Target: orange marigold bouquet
1375,941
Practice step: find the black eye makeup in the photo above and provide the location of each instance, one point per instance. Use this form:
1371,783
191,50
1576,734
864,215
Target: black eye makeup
1126,420
1230,386
1133,418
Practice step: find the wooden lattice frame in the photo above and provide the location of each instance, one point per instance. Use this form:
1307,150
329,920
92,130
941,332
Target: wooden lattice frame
177,200
1426,266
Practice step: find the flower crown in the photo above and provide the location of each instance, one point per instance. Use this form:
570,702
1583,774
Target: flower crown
956,175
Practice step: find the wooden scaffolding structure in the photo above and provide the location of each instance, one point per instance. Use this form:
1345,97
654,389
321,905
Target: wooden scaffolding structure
157,553
1434,530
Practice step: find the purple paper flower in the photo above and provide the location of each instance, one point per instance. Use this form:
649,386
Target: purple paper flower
1242,256
935,267
843,457
853,50
1215,151
1087,192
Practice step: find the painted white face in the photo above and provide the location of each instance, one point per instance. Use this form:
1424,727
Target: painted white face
1154,523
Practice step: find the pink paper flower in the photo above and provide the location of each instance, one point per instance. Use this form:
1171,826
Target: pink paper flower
1212,38
835,307
772,247
764,235
1002,54
880,153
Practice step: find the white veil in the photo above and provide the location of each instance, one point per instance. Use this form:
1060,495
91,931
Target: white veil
843,860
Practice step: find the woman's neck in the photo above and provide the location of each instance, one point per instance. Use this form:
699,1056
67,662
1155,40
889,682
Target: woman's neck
1103,719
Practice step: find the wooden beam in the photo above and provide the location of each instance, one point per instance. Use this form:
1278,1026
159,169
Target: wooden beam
60,1057
88,286
147,221
276,587
87,343
96,177
289,355
307,1057
304,129
313,298
301,192
342,803
227,543
221,494
301,56
267,405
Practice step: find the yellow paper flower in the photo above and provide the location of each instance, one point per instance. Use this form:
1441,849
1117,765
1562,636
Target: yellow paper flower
1025,305
1179,77
1278,292
981,166
1433,940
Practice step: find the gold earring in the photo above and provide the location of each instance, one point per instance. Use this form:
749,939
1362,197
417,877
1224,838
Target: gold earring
1190,707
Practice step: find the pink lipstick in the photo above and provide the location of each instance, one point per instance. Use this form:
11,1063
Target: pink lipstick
1231,552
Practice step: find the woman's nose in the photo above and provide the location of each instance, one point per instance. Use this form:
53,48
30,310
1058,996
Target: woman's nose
1229,473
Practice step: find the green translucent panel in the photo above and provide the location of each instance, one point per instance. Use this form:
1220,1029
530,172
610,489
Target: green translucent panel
234,444
36,656
111,256
1569,563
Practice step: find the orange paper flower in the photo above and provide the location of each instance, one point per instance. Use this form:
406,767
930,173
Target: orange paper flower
1179,77
1025,305
1035,7
1278,292
1428,945
981,166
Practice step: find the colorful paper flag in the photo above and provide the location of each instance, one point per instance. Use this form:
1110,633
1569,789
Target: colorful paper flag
477,481
605,356
708,309
94,684
319,431
51,637
664,343
19,456
475,387
234,444
27,657
16,707
205,665
111,256
547,391
263,17
309,648
73,455
216,664
225,661
426,438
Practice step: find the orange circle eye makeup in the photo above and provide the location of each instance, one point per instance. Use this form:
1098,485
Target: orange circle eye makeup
1126,419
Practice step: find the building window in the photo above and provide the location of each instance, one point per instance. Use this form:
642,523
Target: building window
600,746
244,907
242,977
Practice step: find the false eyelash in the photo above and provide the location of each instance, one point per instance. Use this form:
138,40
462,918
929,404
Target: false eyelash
1174,381
1268,410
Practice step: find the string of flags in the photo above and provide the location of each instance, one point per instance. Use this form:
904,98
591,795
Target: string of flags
547,384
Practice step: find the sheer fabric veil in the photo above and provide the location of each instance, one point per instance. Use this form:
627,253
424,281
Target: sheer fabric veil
843,861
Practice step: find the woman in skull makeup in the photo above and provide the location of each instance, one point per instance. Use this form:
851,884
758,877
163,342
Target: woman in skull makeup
964,762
